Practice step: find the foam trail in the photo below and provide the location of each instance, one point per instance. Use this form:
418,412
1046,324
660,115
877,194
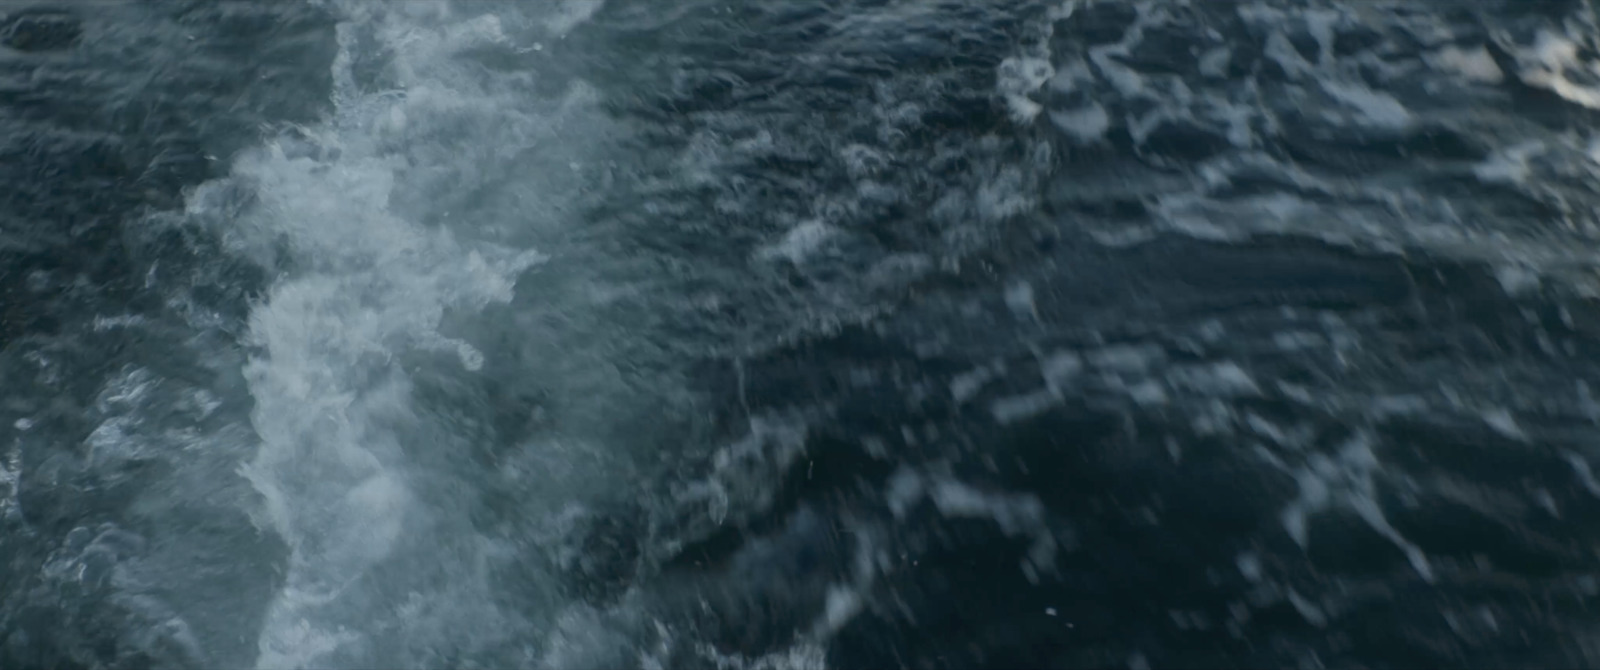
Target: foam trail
329,394
364,285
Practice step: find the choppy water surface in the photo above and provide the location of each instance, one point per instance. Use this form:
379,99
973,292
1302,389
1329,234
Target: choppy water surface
799,334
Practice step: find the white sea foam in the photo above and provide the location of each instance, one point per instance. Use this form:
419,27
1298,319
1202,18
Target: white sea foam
1012,409
1347,481
965,386
1377,109
800,242
1547,64
1473,64
570,13
1085,125
1020,77
362,284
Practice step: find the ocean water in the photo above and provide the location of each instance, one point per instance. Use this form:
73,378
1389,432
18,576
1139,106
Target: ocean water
799,334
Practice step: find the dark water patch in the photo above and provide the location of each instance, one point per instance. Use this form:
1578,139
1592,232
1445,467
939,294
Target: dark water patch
783,109
40,29
831,471
1168,405
1183,142
605,562
969,608
766,594
1171,540
1380,151
1278,270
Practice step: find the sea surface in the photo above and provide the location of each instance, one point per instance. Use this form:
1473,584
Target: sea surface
799,334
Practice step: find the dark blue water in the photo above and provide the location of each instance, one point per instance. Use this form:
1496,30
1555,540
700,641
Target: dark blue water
799,334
